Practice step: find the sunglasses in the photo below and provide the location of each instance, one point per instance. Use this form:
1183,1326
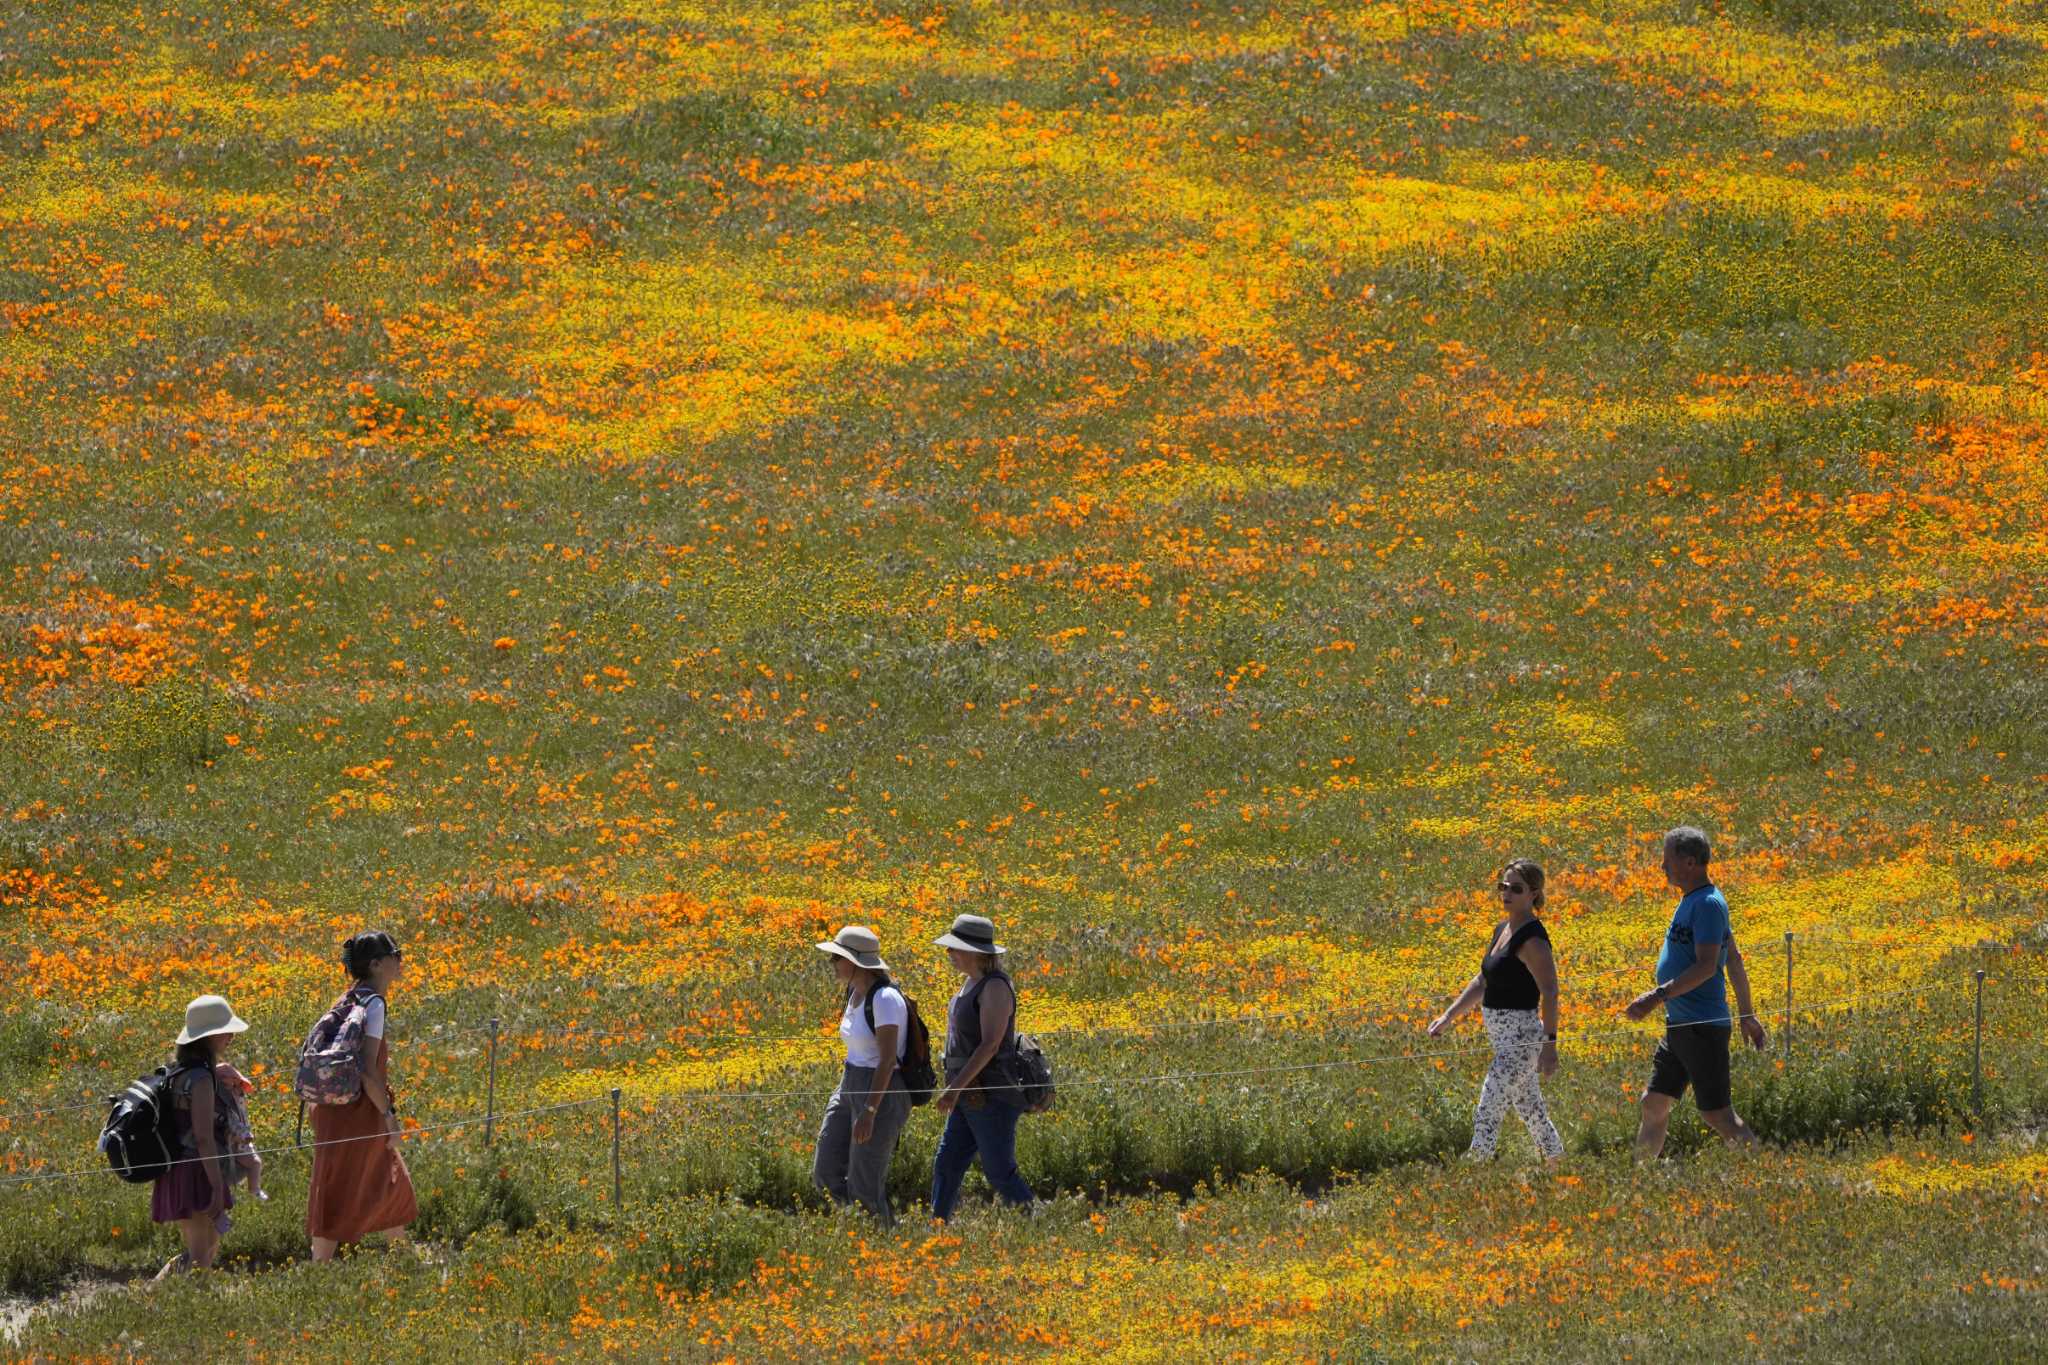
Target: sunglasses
1515,888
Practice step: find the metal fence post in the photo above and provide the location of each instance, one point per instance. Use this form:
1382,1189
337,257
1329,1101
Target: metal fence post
618,1196
491,1088
1977,1061
1788,995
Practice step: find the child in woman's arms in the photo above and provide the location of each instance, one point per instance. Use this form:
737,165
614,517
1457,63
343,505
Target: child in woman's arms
231,1086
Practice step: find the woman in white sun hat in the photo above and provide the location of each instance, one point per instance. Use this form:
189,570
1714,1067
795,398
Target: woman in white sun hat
867,1112
194,1193
980,1100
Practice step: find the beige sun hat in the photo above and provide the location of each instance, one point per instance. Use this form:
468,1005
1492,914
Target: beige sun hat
857,944
973,934
208,1015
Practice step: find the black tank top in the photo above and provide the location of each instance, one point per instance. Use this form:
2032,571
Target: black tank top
1508,983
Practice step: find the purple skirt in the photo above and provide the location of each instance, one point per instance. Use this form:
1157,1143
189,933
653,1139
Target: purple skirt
184,1192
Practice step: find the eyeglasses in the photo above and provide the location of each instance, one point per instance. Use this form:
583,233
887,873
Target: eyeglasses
1514,887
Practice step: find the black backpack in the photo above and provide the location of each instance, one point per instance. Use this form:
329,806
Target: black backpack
919,1076
138,1137
1033,1076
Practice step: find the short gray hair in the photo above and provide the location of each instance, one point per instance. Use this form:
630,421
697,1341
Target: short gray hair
1691,842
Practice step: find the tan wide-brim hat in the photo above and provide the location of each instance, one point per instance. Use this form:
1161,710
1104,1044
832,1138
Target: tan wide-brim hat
857,944
972,934
208,1015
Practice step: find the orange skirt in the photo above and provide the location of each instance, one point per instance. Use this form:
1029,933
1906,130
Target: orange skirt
359,1187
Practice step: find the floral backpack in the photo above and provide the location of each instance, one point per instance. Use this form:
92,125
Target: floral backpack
330,1063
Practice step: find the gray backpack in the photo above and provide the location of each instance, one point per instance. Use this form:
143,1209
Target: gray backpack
1033,1077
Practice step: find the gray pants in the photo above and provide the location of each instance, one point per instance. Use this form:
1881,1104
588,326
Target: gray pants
852,1171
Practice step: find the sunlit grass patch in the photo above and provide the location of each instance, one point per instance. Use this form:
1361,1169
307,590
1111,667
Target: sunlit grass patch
1903,1176
687,350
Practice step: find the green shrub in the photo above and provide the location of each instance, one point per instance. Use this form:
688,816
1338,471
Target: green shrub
699,1244
179,721
456,1209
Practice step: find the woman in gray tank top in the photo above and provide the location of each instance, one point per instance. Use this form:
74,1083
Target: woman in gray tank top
979,1100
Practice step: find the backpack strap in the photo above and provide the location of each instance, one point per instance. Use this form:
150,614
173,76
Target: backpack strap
981,983
357,997
867,1007
177,1085
974,1004
992,974
178,1082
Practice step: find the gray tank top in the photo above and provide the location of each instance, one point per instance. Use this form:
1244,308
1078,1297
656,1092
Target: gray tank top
963,1024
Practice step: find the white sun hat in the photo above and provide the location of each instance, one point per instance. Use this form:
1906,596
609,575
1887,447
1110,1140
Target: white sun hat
208,1015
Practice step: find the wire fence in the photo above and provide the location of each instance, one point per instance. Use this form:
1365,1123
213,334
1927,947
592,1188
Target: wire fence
496,1031
1250,1078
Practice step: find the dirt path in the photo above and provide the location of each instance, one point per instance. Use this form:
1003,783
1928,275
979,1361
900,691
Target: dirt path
18,1311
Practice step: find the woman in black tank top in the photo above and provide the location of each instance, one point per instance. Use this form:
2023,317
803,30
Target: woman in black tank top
1516,986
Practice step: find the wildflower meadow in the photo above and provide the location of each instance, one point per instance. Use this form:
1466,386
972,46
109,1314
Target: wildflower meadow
610,492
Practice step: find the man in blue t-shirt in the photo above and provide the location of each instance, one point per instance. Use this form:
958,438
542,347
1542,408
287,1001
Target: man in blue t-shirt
1699,950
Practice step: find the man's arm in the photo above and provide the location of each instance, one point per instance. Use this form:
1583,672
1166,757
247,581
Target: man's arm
1706,960
1738,977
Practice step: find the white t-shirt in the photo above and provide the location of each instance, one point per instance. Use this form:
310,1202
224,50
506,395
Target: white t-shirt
862,1048
373,1017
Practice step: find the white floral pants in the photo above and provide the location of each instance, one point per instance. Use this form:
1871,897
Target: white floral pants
1517,1037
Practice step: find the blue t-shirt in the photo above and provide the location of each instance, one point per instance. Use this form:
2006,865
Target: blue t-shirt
1701,916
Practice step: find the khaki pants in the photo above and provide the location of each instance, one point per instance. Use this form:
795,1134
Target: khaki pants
858,1172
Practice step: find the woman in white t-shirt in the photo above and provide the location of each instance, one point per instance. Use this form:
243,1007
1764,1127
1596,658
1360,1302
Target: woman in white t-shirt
867,1112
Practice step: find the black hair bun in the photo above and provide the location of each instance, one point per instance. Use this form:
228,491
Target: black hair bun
360,952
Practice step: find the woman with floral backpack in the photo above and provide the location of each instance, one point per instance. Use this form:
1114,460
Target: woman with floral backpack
360,1184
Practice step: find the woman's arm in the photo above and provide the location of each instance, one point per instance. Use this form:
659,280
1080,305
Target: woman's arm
1536,956
885,1038
375,1084
1460,1007
864,1121
202,1138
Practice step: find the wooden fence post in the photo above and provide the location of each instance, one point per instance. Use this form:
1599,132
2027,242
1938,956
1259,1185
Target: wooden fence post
1977,1060
491,1088
618,1186
1788,995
